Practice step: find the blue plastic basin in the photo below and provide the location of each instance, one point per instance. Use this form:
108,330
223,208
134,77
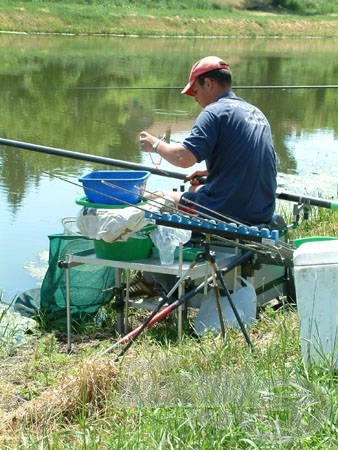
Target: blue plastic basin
115,187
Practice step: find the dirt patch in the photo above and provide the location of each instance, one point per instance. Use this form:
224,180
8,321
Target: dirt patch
22,20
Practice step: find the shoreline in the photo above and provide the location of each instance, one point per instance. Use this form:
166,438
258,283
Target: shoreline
163,36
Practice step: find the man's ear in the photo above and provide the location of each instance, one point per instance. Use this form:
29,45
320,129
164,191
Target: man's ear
208,82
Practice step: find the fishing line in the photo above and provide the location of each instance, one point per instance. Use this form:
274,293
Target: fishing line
175,207
142,88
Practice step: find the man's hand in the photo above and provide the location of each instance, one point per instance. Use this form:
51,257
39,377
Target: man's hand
197,178
174,153
147,141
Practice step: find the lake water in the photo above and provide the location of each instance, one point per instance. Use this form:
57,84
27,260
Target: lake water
95,94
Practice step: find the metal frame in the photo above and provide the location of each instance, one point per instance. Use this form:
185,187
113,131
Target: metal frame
179,269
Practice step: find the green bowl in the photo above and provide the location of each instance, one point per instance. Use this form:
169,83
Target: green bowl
83,201
133,249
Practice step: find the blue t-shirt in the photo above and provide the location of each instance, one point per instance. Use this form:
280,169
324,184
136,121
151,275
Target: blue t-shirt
234,139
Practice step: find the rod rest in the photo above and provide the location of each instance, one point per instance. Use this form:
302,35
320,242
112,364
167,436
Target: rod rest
276,223
212,226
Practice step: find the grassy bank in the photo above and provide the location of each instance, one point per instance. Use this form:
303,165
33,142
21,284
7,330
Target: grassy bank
197,394
218,18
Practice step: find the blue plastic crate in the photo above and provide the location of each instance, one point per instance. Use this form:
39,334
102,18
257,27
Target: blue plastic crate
124,186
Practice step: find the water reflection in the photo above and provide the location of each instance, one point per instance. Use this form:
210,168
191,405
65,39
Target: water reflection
315,156
95,94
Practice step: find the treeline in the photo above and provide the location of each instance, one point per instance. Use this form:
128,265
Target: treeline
296,6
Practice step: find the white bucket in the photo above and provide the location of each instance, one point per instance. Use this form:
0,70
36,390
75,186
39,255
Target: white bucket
244,299
316,281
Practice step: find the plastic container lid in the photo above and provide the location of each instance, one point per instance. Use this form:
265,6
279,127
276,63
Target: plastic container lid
316,252
298,242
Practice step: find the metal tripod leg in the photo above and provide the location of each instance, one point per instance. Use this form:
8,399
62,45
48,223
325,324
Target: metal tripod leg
218,301
219,277
209,256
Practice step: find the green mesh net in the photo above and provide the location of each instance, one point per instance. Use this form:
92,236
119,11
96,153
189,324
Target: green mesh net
87,282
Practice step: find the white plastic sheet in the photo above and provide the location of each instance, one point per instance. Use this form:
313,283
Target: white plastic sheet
244,299
110,224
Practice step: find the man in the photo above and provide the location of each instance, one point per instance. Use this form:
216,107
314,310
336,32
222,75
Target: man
234,139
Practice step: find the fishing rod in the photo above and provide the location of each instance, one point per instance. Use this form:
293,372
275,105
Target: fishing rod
174,207
156,171
301,199
262,241
91,158
194,223
313,201
191,222
284,251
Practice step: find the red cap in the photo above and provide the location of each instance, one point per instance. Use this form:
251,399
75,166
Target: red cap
202,66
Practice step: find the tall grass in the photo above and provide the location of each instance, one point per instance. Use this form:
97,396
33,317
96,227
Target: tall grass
321,222
162,4
199,394
8,330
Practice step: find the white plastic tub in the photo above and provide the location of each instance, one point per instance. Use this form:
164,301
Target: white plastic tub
316,280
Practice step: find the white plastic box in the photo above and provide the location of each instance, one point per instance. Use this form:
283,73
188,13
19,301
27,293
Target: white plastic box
316,280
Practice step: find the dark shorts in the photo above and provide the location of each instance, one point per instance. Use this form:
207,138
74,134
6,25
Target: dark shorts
185,205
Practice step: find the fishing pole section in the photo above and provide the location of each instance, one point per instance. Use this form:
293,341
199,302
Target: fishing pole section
312,201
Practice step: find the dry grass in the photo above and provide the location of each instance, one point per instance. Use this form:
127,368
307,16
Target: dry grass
227,26
84,391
